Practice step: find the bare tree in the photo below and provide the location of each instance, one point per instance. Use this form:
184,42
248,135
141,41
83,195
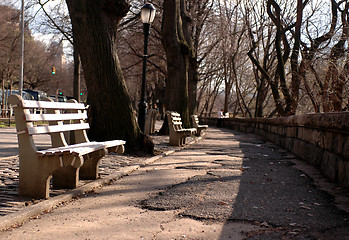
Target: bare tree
56,20
332,98
285,95
36,68
261,52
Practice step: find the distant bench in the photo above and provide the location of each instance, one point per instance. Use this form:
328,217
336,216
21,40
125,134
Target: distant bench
177,133
195,122
150,121
65,163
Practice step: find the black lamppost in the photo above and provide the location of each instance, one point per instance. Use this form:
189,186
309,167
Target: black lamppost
147,16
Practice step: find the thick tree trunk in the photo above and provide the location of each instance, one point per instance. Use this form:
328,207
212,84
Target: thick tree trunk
262,92
76,85
193,87
193,76
94,28
296,79
177,53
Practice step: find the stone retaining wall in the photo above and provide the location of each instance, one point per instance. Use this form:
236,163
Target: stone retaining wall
320,139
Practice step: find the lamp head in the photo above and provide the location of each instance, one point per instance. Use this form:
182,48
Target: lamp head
148,13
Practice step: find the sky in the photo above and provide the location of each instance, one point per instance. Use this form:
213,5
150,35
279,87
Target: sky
47,38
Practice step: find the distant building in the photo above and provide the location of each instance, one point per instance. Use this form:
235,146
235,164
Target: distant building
58,58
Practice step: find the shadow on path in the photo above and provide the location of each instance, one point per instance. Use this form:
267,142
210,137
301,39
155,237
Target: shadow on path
253,181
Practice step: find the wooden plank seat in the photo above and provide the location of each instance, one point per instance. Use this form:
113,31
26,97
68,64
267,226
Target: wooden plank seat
177,133
195,122
80,149
65,163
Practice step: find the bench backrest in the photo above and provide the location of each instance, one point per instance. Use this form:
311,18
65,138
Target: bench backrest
174,121
195,120
48,117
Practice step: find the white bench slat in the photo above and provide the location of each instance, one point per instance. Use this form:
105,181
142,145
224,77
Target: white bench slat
187,130
77,149
80,149
52,105
113,143
57,128
56,117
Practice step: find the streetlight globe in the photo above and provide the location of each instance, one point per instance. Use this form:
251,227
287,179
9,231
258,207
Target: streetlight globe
148,13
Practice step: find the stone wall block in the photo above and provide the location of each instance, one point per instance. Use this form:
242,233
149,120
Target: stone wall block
307,135
329,165
334,146
327,141
278,130
265,126
278,140
298,147
313,154
300,133
272,137
316,137
343,172
339,149
346,148
270,128
291,132
268,136
289,144
264,134
283,131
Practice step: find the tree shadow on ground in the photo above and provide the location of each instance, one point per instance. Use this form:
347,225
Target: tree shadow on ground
260,187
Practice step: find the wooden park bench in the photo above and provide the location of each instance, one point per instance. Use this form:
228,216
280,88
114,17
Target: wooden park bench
65,163
177,133
195,122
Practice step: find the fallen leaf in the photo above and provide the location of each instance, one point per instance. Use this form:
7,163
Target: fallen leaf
264,224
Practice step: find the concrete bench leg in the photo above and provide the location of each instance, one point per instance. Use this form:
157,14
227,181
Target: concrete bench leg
175,141
35,175
38,186
198,133
65,177
183,140
89,170
178,139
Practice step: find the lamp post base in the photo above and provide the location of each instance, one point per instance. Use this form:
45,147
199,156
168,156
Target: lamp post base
142,107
